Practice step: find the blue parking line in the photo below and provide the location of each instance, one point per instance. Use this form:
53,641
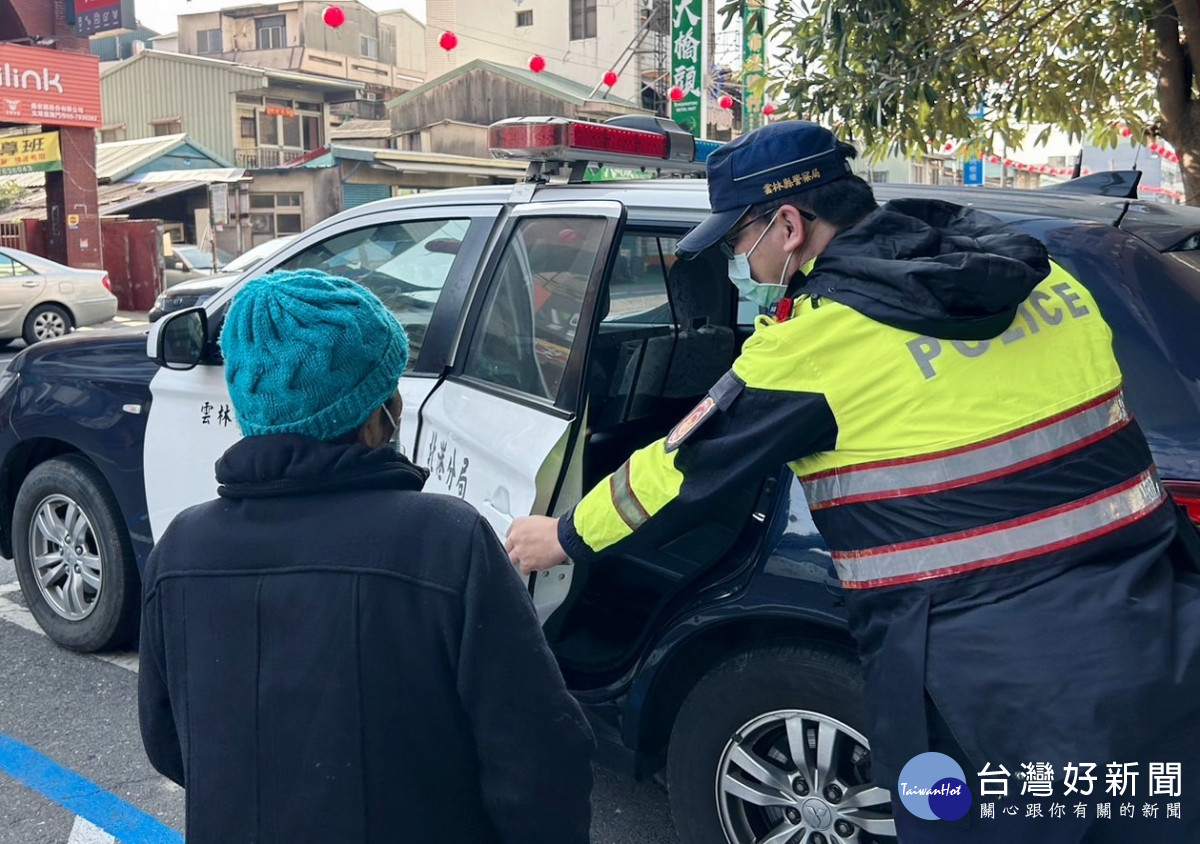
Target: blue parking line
122,820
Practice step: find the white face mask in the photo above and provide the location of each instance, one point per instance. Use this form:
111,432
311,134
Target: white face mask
766,296
394,439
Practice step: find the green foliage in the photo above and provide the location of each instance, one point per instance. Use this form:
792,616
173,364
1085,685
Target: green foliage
10,194
896,74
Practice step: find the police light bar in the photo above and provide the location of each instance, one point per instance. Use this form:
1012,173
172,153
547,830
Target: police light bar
664,146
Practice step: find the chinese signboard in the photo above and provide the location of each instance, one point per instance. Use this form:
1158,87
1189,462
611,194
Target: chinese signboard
753,64
49,86
93,16
282,111
30,154
687,39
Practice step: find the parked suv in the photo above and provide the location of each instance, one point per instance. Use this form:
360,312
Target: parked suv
553,332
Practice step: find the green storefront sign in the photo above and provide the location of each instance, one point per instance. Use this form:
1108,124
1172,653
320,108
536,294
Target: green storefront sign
687,54
753,64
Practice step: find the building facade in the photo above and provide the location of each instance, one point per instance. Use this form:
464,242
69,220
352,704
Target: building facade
579,40
382,52
255,117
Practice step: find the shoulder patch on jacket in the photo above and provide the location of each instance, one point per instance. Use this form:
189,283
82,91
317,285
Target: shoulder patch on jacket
720,397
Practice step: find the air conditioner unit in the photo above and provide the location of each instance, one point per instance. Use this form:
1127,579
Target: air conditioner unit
369,96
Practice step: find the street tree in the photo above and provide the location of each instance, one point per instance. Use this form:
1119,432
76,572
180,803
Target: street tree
897,75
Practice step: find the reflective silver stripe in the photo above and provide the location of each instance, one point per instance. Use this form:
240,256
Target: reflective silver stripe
1004,542
945,470
625,499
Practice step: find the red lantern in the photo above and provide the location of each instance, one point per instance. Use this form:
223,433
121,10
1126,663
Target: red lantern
537,64
1008,162
949,146
676,94
610,78
994,159
448,41
334,16
769,109
725,101
1126,131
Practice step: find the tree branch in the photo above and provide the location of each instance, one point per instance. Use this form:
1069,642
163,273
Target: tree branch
1173,82
1187,15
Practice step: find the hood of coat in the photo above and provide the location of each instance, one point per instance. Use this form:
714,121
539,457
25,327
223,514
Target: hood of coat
293,464
931,267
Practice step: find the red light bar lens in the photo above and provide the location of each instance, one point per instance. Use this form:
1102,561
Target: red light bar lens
612,139
518,136
563,140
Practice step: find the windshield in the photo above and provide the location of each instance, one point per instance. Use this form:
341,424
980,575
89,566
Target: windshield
253,256
202,259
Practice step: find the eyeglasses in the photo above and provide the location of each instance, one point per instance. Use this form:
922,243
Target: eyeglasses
729,242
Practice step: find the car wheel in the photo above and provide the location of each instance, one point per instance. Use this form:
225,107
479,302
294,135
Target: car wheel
769,747
73,556
46,322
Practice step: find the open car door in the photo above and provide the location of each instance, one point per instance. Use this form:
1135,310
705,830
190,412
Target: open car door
502,429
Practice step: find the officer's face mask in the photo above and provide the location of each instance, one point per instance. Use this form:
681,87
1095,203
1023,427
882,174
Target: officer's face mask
764,296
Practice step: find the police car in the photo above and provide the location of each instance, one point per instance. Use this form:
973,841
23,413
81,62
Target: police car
553,332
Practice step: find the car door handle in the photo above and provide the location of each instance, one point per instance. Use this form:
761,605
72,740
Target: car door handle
30,283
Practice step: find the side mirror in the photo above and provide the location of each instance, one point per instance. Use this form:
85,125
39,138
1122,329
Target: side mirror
177,341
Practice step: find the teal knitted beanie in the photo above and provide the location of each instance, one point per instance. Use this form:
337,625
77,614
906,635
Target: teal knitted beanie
309,353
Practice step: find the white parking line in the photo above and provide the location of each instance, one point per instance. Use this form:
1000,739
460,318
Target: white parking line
14,613
85,832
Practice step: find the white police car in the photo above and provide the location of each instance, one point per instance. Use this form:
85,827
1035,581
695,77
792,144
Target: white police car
552,333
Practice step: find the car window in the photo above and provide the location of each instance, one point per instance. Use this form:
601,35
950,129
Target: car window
405,264
12,268
531,315
637,287
257,253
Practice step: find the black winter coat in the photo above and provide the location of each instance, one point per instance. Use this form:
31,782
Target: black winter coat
330,655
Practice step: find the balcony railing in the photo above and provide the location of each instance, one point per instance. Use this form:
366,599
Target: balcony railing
265,158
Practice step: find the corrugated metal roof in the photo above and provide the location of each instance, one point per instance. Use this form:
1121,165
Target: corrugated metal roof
207,175
294,77
546,82
361,128
113,199
118,159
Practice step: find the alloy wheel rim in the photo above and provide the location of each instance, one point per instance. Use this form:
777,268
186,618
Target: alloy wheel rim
798,777
66,559
49,325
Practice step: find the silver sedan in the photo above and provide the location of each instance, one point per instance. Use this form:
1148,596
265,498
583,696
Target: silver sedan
41,299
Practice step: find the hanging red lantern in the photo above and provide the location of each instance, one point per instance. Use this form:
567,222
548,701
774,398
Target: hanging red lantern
448,41
537,64
949,146
994,159
1126,131
1008,162
676,93
334,16
769,109
725,101
610,78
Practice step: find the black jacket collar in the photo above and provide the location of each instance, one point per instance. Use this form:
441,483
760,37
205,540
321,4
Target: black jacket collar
931,267
292,464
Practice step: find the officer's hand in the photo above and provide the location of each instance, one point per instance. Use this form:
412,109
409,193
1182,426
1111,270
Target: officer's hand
532,544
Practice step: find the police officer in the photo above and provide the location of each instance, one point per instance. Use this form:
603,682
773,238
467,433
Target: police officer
949,398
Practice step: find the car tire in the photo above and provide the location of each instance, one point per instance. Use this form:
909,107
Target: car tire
85,597
44,323
740,714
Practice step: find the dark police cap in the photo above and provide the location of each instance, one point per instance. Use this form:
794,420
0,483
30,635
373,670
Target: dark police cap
771,162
